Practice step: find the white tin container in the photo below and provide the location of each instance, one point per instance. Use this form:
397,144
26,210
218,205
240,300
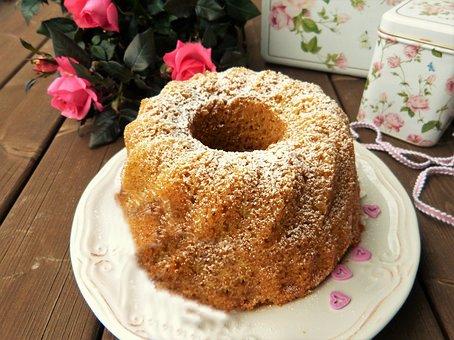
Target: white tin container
328,35
409,90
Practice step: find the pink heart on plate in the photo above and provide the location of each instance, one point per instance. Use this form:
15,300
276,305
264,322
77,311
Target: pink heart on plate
360,254
371,210
341,273
338,300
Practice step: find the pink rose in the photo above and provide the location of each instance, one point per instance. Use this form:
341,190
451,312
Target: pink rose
188,59
279,18
44,65
432,9
341,61
394,61
431,79
411,51
377,67
73,96
426,142
413,138
64,66
361,115
342,18
378,120
94,13
392,2
418,103
450,86
358,4
393,121
295,7
391,40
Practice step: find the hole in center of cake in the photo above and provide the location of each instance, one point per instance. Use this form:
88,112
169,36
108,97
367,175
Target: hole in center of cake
243,124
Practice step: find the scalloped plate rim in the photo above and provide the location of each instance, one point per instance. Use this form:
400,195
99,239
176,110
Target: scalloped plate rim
121,332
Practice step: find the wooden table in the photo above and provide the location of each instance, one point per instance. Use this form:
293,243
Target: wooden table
45,166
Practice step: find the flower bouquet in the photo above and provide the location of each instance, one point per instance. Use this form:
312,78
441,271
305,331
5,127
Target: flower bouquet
111,54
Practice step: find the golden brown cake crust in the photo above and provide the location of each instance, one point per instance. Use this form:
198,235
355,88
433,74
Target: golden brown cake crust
240,188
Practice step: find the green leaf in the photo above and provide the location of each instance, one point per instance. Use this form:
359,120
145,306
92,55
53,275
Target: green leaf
29,84
140,53
209,9
304,46
109,48
81,71
298,23
241,10
140,83
106,129
115,70
309,25
326,1
402,94
28,46
162,25
155,7
29,8
311,46
98,52
103,51
85,73
232,58
436,53
213,32
322,14
179,8
96,40
126,117
431,124
64,25
65,46
408,110
209,38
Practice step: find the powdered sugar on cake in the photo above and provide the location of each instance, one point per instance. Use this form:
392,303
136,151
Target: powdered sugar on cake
243,183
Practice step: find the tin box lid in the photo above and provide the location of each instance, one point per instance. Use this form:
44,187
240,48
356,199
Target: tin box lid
425,21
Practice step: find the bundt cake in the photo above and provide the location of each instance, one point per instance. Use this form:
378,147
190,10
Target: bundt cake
240,188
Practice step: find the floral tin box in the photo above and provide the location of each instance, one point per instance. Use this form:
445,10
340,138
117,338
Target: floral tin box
328,35
409,90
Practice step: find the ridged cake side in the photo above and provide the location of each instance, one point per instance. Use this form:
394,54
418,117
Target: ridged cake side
240,188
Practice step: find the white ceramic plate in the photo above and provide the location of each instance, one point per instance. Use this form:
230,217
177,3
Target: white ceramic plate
127,303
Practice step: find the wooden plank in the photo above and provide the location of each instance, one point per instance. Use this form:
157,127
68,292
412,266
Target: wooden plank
436,267
414,320
106,335
13,27
27,125
37,289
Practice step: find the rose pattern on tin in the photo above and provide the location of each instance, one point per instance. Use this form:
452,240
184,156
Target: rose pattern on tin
309,19
409,91
442,8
